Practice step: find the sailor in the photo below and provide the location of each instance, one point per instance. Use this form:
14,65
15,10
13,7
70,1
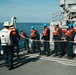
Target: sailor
35,36
26,40
57,34
6,43
46,38
16,38
70,34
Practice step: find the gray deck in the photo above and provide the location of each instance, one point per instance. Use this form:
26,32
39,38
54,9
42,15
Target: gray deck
34,64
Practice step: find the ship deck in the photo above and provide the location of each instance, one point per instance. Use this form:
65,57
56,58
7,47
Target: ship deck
34,64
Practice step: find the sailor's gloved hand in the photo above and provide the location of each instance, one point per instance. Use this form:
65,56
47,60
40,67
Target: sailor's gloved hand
42,40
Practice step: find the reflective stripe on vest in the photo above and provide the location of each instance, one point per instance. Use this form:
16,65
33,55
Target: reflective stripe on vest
45,33
69,33
14,33
5,37
56,32
33,33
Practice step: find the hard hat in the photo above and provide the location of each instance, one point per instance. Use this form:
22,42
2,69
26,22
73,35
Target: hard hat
21,30
45,24
56,23
70,25
32,27
11,24
6,23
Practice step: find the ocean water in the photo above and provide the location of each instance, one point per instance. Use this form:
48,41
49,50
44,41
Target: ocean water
27,28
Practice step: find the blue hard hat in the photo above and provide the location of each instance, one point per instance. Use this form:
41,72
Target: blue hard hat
45,24
21,30
70,25
32,27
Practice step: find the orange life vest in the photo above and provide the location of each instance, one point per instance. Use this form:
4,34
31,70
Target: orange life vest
56,32
69,32
75,30
45,33
13,30
64,30
33,33
23,35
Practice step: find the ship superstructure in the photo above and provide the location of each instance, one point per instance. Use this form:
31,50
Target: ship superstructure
63,17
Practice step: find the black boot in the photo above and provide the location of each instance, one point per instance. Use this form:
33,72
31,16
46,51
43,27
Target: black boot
60,56
6,65
70,57
18,56
10,67
28,51
47,54
55,55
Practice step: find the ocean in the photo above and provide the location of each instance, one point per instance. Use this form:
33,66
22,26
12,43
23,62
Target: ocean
27,28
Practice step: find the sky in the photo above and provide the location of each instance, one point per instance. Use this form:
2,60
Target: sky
28,10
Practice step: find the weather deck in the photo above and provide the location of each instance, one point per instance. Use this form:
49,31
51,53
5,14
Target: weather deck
34,64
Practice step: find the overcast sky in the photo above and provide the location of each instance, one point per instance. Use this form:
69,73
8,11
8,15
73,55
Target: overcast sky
28,10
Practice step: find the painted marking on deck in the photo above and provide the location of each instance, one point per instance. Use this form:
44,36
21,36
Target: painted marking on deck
63,61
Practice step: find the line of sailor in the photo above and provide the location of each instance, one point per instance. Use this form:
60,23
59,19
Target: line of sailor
10,37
